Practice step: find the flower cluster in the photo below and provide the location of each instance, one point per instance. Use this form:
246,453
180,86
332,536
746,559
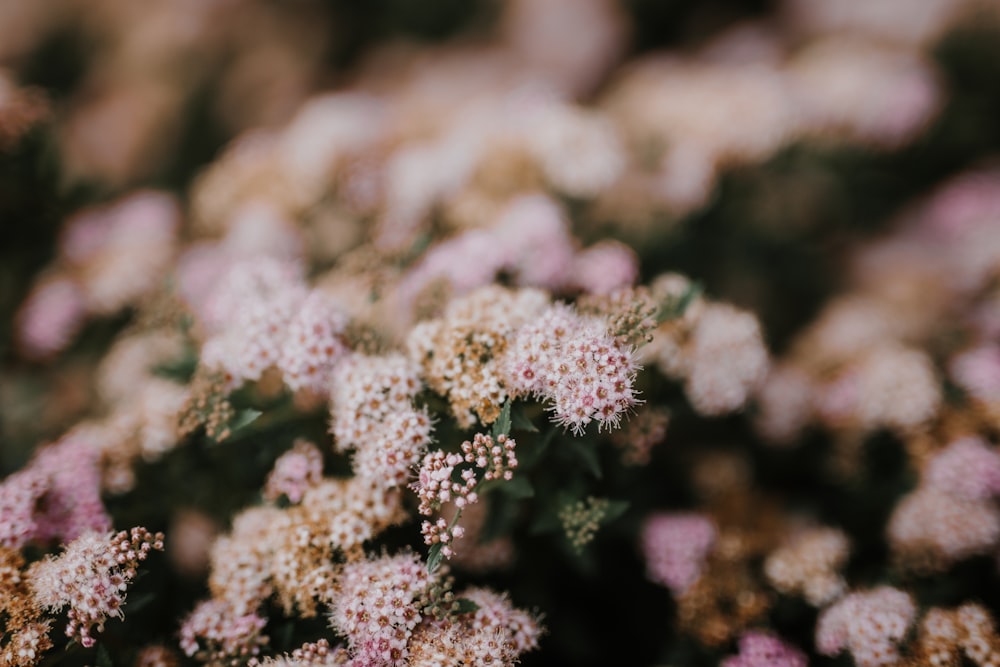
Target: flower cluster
758,649
952,514
718,350
109,258
572,362
580,520
373,413
318,653
217,635
945,634
56,497
295,471
675,547
461,354
809,564
249,314
314,344
869,624
378,609
530,239
24,631
91,577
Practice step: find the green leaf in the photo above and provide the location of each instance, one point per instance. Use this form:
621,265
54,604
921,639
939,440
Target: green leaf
675,307
586,454
547,521
179,370
434,557
465,606
693,293
103,657
243,419
502,425
536,450
284,635
520,420
615,509
519,487
137,602
502,516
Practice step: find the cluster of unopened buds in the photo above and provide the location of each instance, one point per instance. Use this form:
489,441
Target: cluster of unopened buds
496,458
436,485
131,547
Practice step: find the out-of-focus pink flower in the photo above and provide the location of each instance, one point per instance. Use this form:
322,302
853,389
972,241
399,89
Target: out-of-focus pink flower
977,371
56,497
950,528
675,547
313,344
727,362
537,247
888,386
530,239
785,404
49,318
19,496
869,624
866,91
248,315
295,471
604,267
122,251
758,649
967,468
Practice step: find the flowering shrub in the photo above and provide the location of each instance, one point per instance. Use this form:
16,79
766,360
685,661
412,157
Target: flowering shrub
552,332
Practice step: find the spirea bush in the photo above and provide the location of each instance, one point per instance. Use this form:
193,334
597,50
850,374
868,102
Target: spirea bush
542,332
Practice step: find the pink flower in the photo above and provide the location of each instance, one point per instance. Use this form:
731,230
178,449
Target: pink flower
395,447
91,577
19,497
366,390
249,315
56,497
952,528
534,239
314,344
968,468
758,649
378,609
572,362
219,633
868,624
496,614
122,250
675,547
977,371
604,267
294,472
50,317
